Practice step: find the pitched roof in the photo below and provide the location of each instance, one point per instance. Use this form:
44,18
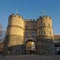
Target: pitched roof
57,36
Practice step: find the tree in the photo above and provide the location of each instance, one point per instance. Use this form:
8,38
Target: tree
2,34
1,31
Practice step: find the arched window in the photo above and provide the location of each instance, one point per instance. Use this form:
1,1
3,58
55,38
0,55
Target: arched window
33,27
33,34
41,32
48,25
26,27
49,32
43,24
26,34
44,32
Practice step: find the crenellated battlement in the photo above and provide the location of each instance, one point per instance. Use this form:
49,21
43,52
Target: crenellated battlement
44,17
30,20
15,15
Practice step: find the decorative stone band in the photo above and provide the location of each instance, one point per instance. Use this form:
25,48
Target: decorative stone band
15,26
20,27
44,27
45,37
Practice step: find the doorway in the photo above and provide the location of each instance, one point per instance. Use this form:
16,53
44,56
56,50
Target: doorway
30,47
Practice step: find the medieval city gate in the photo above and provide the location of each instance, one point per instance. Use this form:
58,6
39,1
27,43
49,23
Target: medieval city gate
30,47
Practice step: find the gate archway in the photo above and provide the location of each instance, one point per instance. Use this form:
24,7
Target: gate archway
30,47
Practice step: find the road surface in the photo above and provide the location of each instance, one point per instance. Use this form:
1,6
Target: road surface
30,57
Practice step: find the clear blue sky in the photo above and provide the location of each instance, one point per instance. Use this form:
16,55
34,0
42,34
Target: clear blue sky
31,9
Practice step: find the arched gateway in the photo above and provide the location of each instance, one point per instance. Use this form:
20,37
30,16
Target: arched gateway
30,47
26,35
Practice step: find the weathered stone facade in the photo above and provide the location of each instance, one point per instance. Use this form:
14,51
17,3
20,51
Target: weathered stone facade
20,30
45,47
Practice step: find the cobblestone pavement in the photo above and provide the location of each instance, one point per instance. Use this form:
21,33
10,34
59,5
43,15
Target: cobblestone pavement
30,57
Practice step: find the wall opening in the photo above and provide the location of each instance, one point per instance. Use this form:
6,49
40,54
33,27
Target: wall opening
30,47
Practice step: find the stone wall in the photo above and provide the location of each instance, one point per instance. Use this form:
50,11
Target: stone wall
45,47
16,50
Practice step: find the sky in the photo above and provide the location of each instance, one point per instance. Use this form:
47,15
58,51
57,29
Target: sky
31,9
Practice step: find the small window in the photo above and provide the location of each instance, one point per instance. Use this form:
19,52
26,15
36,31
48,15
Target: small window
41,21
26,27
44,32
33,34
40,32
40,25
48,25
49,32
43,24
33,27
26,34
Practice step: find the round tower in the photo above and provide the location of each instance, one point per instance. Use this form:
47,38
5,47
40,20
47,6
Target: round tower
15,32
45,36
45,29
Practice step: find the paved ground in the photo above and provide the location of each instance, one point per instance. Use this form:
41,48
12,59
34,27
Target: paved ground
30,57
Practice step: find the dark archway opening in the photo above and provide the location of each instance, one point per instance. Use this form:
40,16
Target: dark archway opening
30,47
